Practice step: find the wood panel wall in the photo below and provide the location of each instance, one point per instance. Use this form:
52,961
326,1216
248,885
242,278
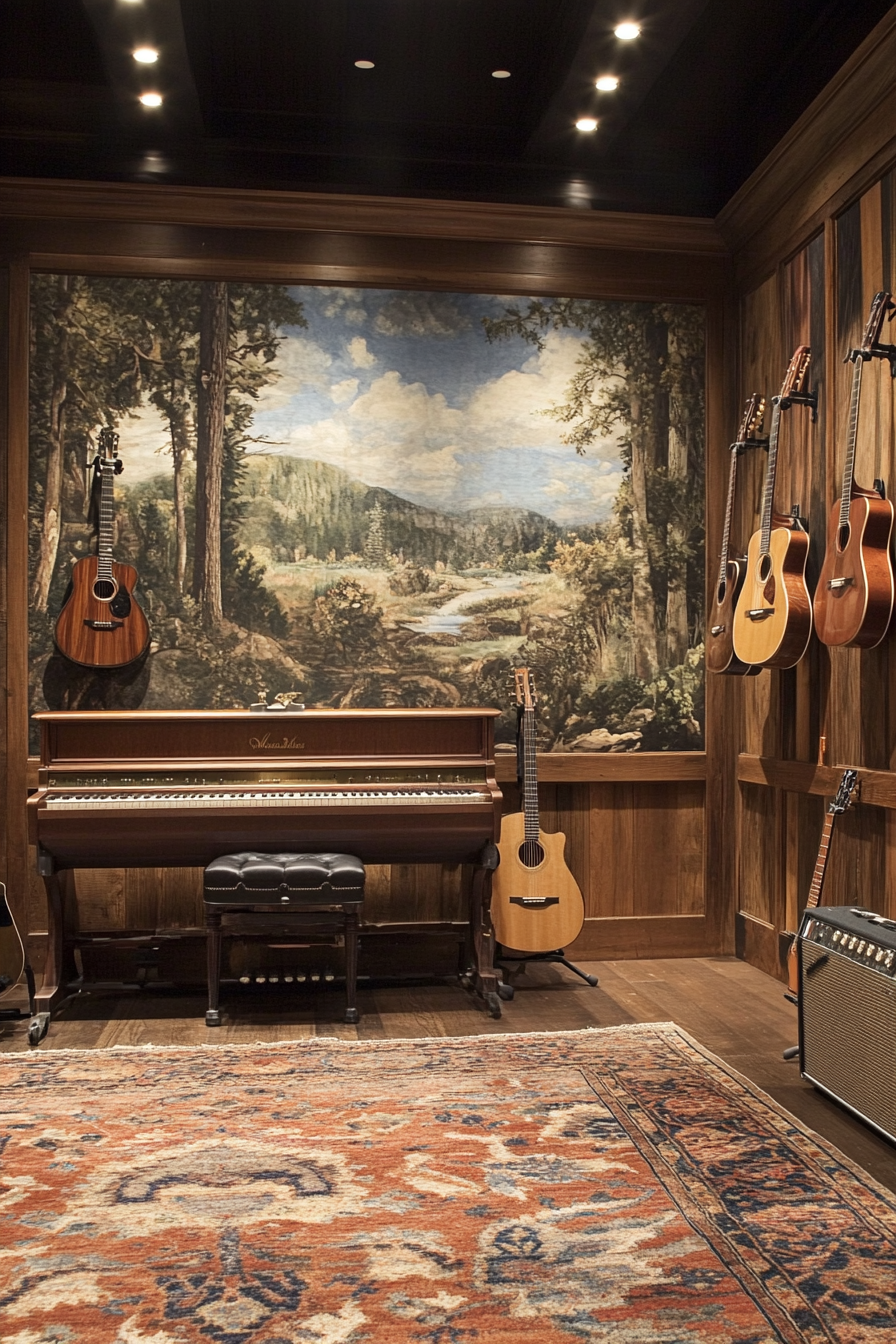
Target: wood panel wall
646,850
814,238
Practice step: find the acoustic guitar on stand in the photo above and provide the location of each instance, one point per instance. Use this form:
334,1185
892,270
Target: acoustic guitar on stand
773,617
854,598
720,655
536,902
101,624
846,793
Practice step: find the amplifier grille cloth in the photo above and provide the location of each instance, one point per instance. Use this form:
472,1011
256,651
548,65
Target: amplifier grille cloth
849,1034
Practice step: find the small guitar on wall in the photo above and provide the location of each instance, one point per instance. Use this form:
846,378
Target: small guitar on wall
536,902
101,624
846,793
773,617
720,655
854,598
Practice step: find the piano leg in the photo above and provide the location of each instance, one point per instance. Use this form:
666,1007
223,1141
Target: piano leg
60,968
213,952
351,964
485,979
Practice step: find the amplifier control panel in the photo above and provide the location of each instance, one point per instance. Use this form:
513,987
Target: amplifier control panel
860,935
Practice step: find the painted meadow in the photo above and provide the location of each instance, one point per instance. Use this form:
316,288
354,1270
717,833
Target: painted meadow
378,498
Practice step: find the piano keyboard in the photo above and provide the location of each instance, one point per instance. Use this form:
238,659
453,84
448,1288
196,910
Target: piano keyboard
264,798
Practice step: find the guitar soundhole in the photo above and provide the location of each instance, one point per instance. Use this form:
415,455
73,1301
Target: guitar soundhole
765,568
720,596
531,854
843,538
104,590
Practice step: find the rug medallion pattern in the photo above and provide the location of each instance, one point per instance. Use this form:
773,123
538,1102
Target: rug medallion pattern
616,1185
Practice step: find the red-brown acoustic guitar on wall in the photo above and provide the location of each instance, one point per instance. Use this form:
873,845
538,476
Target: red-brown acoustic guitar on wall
720,655
846,792
854,597
773,616
101,624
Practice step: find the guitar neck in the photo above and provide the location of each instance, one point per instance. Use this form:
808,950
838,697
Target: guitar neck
852,434
821,862
770,471
530,775
106,521
729,507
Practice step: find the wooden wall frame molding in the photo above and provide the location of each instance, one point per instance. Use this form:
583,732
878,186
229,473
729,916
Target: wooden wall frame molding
877,787
127,229
840,146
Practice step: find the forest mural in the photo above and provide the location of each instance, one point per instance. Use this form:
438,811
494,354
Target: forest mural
374,497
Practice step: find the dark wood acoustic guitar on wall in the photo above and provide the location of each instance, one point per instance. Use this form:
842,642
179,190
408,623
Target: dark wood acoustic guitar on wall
536,902
101,624
854,597
846,793
720,655
773,616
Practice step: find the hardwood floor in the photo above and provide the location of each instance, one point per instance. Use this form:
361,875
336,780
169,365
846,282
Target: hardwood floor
735,1010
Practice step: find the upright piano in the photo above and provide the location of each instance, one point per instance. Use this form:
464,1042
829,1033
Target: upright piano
158,788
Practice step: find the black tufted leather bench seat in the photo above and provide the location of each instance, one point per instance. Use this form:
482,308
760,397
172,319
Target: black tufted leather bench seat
295,891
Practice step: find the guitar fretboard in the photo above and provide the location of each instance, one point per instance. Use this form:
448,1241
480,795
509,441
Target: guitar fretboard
729,508
107,519
771,468
821,863
851,436
530,775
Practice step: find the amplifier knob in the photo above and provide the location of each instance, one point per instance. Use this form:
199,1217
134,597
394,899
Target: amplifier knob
852,942
836,936
880,954
889,960
861,947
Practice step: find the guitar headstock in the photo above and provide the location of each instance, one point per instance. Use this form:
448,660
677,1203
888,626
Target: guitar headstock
524,688
108,450
847,792
882,306
751,424
795,377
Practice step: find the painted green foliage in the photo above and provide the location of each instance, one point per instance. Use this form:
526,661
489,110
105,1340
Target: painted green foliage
330,582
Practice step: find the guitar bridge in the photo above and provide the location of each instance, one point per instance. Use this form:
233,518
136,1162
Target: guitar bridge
760,613
717,629
834,584
104,625
534,902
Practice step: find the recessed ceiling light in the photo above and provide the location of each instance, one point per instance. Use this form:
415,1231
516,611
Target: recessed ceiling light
146,55
586,124
151,99
626,32
364,65
500,74
606,83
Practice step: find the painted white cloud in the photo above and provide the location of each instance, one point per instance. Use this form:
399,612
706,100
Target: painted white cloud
144,445
300,364
361,357
420,315
344,391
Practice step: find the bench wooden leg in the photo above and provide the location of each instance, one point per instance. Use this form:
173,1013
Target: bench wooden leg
213,947
351,965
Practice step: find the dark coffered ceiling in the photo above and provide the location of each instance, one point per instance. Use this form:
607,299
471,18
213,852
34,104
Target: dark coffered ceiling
265,93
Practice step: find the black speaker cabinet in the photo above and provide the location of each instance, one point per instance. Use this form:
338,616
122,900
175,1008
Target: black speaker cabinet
847,966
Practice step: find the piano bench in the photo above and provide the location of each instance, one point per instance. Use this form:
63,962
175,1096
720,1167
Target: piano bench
297,888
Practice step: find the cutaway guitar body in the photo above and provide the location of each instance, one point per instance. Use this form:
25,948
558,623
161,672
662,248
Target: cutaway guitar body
773,616
534,908
720,655
854,597
101,623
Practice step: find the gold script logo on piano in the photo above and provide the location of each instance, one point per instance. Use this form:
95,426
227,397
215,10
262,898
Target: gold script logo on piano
268,743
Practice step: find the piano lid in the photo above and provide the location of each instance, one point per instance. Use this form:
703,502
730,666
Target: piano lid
238,736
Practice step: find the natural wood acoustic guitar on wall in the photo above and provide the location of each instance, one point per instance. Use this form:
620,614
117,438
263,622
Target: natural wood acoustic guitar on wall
101,624
773,617
720,655
536,902
854,597
846,793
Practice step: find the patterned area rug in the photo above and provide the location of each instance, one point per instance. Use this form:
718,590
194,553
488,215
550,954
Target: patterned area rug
617,1185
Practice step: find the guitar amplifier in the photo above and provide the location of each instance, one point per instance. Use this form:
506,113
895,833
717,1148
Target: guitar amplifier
847,969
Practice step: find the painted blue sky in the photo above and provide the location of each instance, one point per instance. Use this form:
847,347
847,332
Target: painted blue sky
402,390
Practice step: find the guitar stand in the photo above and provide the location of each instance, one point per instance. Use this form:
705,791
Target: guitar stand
18,1014
559,958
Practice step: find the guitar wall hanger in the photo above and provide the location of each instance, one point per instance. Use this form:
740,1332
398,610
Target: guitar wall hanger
809,399
876,351
744,445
